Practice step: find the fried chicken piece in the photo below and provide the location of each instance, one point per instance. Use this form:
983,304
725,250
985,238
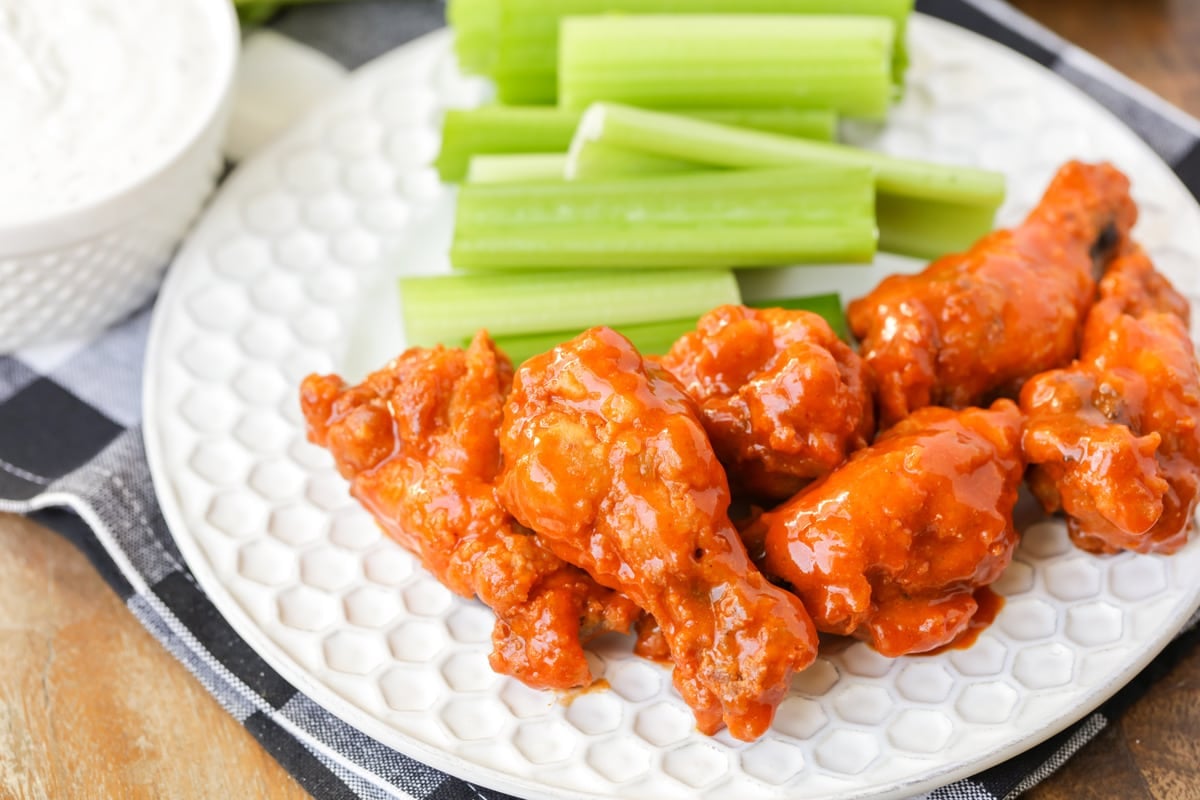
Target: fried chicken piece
892,546
1133,286
783,400
1115,437
605,457
650,643
975,325
419,442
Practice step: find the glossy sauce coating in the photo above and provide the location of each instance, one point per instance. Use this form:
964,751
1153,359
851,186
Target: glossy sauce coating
1115,438
988,605
891,546
783,400
975,325
605,457
419,442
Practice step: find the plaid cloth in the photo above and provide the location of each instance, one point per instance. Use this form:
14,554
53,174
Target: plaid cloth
71,456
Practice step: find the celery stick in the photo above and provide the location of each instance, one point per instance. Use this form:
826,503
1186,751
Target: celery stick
527,41
924,208
705,219
675,136
599,161
501,129
514,167
731,60
819,124
494,130
476,25
929,228
447,308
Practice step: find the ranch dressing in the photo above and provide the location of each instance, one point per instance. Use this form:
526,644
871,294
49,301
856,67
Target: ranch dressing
95,94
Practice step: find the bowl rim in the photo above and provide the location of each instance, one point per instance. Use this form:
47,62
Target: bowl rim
102,211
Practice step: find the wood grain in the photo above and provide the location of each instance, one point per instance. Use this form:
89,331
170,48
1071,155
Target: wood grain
1155,42
92,706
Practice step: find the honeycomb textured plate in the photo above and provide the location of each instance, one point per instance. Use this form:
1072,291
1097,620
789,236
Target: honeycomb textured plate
292,270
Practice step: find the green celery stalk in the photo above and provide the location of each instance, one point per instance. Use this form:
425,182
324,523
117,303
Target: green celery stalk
675,136
526,57
501,129
930,228
515,167
476,25
496,130
599,161
724,218
819,124
728,60
449,308
925,209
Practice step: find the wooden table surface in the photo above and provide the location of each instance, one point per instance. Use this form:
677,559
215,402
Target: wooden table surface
91,706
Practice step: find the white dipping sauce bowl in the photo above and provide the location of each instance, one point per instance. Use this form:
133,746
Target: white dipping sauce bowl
71,272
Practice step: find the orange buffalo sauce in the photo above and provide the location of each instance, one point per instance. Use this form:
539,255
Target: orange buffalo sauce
989,604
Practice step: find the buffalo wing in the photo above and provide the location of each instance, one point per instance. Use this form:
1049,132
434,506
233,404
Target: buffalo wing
605,457
892,546
976,325
419,442
783,400
1115,438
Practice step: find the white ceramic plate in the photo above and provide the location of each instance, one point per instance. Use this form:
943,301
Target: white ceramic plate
292,271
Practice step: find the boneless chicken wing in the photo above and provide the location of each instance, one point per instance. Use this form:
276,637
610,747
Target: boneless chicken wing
419,442
783,400
605,457
975,325
1114,439
892,546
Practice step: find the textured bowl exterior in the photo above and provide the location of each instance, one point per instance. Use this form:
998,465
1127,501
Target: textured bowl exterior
293,270
78,272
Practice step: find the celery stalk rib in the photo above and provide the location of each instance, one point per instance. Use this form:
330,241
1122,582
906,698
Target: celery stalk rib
515,167
924,208
600,161
675,136
446,309
500,129
929,228
818,124
497,130
476,25
726,61
707,219
526,43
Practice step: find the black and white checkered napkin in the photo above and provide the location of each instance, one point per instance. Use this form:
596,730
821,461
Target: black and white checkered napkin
71,456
